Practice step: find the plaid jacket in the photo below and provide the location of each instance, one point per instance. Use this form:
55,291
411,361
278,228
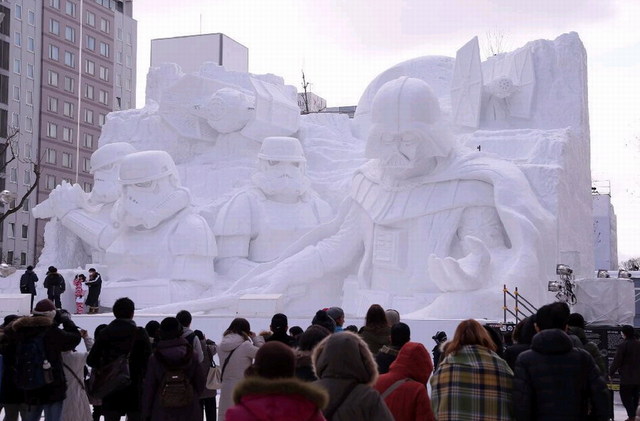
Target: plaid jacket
472,384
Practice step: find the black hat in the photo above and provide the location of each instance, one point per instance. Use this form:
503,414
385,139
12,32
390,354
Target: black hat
440,336
279,322
322,318
52,269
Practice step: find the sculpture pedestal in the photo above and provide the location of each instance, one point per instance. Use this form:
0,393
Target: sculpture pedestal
260,305
356,301
15,304
150,292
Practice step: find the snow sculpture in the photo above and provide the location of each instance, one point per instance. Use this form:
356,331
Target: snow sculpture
161,235
258,223
86,217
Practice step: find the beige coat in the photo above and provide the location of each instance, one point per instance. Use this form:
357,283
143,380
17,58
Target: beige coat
238,363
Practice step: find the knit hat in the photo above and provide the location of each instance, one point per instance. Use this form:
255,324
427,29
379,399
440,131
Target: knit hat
170,328
322,318
45,308
335,313
274,360
52,269
279,322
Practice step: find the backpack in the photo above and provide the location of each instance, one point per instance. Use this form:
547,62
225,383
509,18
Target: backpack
32,369
176,390
24,284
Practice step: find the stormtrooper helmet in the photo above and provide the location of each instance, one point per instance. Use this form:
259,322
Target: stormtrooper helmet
105,164
281,167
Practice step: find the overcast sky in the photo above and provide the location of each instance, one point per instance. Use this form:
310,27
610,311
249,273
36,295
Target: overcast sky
343,44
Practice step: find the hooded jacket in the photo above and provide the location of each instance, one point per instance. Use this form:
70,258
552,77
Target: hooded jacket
555,381
410,401
56,341
627,362
172,353
287,399
375,337
591,348
346,369
472,384
245,351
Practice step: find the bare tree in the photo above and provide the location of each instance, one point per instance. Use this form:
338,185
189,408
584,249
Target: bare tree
495,42
10,151
631,264
305,85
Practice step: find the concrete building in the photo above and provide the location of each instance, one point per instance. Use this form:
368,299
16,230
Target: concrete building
71,63
604,229
190,51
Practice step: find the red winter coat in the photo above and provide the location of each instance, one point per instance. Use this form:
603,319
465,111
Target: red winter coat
410,401
288,399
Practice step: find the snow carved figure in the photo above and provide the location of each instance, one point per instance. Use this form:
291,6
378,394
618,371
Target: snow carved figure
258,223
86,217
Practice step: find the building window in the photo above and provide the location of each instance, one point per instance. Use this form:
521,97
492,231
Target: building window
70,8
127,84
104,49
18,11
119,35
104,97
66,160
11,234
30,70
129,38
29,100
118,79
68,109
67,134
25,231
69,84
105,25
50,156
104,73
53,104
128,62
52,131
88,141
54,26
53,78
17,39
27,150
70,34
91,19
23,258
91,43
25,205
119,57
27,177
88,116
87,187
13,175
28,121
16,93
55,4
10,255
17,66
88,91
51,182
101,119
31,44
54,52
86,165
90,67
15,120
31,17
69,59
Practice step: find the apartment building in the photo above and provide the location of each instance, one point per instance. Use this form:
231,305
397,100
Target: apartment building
71,62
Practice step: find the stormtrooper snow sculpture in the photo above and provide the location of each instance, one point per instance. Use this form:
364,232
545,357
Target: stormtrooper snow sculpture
161,236
427,221
87,217
258,223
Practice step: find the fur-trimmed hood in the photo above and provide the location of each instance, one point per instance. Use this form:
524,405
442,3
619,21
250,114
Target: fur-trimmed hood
30,322
255,385
344,355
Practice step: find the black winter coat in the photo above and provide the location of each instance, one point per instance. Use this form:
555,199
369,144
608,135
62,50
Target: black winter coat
555,381
56,341
119,338
627,362
28,279
54,283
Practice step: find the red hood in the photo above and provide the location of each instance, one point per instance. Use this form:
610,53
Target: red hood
414,362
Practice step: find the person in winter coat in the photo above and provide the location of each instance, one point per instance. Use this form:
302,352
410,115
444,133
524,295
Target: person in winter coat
28,283
208,396
346,369
76,405
95,286
122,337
173,352
522,337
78,289
405,384
627,363
306,343
10,397
554,381
279,326
471,383
271,393
236,352
400,335
440,337
376,331
25,330
55,285
576,327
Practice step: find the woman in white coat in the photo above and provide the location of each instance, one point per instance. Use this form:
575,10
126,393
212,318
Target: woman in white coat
75,406
236,352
